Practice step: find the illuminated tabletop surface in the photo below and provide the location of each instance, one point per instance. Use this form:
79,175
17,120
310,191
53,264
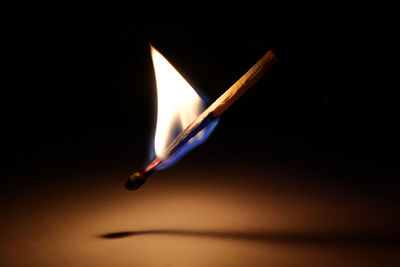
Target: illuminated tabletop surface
233,212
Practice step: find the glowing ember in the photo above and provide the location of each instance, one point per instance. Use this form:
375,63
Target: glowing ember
178,106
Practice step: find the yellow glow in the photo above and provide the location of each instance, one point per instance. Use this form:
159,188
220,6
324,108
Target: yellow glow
178,103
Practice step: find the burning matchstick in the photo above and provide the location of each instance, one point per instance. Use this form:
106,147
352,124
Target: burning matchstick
212,112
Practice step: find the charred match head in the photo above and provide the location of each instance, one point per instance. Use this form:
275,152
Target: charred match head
135,181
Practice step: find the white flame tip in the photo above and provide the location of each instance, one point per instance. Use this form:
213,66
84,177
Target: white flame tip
178,103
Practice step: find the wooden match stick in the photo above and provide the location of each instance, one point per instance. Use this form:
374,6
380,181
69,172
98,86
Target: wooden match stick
212,112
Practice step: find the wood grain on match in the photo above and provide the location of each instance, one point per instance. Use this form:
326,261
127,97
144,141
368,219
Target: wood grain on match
243,84
225,100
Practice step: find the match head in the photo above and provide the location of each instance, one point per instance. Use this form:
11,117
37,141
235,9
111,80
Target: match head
135,181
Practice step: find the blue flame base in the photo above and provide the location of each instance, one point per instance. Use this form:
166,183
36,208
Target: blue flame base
192,143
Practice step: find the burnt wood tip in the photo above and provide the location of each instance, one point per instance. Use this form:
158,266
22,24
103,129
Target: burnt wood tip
137,179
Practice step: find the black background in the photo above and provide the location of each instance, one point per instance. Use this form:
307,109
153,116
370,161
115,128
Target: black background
309,153
82,88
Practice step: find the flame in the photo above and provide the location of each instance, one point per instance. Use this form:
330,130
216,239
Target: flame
178,105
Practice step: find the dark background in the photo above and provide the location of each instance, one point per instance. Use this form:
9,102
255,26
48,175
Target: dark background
81,88
302,170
